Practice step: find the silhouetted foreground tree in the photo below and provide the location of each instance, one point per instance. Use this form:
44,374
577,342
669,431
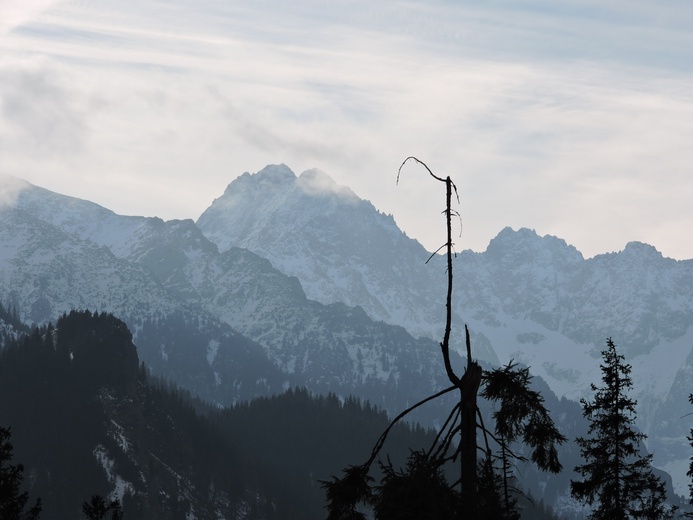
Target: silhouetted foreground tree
12,502
689,473
421,489
616,477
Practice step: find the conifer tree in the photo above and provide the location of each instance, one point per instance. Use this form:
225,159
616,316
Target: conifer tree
617,480
689,473
98,509
12,502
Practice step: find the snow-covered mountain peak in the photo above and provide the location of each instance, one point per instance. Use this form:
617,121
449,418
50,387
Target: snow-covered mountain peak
271,178
525,246
78,217
339,246
271,189
276,172
641,251
265,208
252,188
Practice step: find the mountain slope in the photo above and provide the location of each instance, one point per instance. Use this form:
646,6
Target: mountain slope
80,218
46,271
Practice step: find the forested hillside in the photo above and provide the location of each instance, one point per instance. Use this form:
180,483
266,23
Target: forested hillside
86,418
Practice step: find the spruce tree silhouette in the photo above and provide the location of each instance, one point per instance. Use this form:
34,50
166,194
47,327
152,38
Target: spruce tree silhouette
421,490
689,473
616,477
98,509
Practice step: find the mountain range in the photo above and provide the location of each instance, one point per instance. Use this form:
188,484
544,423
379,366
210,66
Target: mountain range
294,280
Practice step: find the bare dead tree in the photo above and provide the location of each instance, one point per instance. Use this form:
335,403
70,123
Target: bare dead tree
520,416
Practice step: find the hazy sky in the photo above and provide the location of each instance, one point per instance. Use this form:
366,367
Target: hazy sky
572,118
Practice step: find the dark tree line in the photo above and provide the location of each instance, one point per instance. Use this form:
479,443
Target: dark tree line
13,502
689,473
98,508
10,316
307,437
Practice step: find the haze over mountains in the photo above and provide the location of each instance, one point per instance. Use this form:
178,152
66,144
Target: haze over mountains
288,280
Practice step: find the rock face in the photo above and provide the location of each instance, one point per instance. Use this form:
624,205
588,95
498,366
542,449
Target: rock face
340,247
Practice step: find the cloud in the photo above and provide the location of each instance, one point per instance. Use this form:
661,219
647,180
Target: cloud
10,188
561,118
40,112
14,13
317,182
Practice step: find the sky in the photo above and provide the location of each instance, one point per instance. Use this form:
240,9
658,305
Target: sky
573,118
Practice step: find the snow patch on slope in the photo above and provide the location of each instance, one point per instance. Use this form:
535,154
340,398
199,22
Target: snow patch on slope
120,486
212,350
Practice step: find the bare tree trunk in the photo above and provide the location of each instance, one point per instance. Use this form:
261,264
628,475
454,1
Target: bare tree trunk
468,385
469,388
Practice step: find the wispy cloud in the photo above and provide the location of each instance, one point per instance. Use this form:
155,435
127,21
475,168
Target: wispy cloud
14,13
10,188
